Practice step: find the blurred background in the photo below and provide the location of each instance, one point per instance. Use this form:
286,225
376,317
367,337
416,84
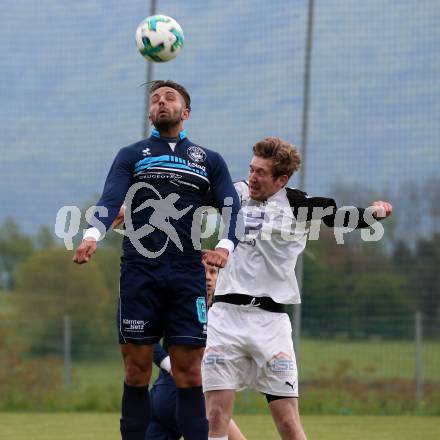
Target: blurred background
354,85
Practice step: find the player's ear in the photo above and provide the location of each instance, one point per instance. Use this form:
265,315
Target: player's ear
283,180
185,114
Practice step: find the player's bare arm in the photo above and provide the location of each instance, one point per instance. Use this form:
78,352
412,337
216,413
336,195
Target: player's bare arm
119,218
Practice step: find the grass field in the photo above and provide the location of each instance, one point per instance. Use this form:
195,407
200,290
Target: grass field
82,426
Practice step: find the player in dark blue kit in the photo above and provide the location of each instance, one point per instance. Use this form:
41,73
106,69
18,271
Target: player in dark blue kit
163,425
164,180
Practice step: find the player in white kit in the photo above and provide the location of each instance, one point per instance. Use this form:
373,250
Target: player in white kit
249,333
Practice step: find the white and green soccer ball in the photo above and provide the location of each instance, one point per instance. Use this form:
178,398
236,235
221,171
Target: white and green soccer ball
159,38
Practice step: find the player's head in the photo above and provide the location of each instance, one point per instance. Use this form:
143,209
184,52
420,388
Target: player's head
170,104
211,280
273,163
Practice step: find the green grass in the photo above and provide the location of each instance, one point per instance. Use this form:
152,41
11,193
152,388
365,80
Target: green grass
257,427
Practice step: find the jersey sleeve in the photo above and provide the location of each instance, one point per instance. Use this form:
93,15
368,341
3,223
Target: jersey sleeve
307,208
240,187
225,198
116,185
159,354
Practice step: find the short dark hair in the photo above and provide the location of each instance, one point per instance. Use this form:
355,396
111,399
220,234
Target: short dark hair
154,85
286,158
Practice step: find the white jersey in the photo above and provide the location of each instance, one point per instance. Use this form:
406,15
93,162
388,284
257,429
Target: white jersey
263,263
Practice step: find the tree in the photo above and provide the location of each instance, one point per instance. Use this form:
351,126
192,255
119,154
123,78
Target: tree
432,190
14,248
350,291
45,238
381,304
420,267
50,287
426,278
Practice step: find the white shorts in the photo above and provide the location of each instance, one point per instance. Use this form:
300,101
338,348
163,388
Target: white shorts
248,347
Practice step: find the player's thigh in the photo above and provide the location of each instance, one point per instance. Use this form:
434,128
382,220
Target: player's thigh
186,313
274,355
185,363
226,363
141,304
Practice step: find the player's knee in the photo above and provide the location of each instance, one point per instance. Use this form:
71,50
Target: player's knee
218,418
188,375
290,428
137,374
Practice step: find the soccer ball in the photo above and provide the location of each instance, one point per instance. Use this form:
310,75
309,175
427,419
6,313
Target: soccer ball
159,38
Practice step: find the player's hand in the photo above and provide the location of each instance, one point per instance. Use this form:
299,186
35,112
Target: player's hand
382,209
85,251
218,257
119,218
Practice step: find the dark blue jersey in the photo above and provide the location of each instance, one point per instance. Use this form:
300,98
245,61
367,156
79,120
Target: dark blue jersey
169,187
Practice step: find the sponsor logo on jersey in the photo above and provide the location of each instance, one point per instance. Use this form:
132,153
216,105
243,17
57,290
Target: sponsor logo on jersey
146,152
251,242
161,175
196,165
196,154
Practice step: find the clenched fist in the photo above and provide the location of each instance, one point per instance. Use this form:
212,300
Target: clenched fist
85,251
382,209
218,257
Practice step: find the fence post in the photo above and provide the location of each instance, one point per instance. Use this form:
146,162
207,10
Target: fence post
418,332
67,352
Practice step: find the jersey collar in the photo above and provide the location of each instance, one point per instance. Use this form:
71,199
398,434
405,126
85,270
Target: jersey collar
155,133
278,195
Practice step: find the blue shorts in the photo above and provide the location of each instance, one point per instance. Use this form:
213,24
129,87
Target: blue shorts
162,299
